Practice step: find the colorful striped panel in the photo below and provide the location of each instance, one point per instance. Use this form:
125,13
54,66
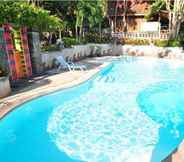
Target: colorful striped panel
3,55
10,51
20,59
25,47
21,69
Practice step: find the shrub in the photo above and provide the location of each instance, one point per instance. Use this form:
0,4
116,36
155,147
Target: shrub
95,38
174,43
168,43
51,47
161,43
68,42
135,41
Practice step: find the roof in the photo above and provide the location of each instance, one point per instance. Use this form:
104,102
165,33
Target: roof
135,7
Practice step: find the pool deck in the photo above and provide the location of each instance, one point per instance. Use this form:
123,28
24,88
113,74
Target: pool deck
49,83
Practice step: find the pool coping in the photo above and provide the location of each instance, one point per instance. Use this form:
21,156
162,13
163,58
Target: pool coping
12,102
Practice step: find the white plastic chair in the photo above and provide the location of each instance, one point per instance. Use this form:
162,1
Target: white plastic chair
68,65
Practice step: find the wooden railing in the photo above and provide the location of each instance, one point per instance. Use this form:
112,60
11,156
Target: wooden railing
141,35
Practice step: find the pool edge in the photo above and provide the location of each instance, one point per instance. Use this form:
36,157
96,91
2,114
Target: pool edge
10,106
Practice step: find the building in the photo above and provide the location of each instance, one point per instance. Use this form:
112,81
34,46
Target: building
128,16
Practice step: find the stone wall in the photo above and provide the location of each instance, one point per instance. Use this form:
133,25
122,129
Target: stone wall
160,52
81,51
76,53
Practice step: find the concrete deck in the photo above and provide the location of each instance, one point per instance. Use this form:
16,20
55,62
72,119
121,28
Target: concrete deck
50,83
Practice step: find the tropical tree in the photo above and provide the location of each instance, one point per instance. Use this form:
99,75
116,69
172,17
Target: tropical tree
175,10
64,10
155,8
91,12
24,14
79,13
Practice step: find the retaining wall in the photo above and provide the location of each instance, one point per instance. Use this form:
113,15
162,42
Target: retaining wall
79,52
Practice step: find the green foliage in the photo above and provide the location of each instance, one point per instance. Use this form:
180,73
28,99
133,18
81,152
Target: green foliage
174,43
161,43
63,9
168,43
51,47
95,38
155,8
9,12
158,42
68,42
79,12
90,11
135,41
24,14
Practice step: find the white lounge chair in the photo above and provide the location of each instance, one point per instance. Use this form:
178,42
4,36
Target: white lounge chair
68,64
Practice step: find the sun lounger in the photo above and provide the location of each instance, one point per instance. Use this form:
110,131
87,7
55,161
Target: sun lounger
68,64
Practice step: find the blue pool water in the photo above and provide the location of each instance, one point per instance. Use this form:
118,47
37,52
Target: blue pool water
132,111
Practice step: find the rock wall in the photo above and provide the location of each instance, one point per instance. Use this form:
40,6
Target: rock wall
160,52
79,52
76,53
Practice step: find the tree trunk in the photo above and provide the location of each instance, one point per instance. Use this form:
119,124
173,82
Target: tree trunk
60,34
76,32
124,17
50,38
170,21
80,29
80,33
176,24
100,30
115,18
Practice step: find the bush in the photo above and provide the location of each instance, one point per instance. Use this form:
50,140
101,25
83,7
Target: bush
95,38
174,43
52,47
135,41
68,42
161,43
168,43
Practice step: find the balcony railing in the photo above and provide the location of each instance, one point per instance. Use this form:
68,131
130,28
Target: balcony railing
141,35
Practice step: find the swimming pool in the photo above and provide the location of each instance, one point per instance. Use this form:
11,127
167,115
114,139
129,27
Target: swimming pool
131,111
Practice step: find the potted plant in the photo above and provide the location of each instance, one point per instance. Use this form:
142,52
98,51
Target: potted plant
5,89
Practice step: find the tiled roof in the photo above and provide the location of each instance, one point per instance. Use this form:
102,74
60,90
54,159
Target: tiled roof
135,7
140,8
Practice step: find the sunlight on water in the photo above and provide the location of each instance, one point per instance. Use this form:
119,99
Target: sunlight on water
106,124
132,111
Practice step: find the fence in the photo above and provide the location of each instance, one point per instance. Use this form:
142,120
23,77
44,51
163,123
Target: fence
141,35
